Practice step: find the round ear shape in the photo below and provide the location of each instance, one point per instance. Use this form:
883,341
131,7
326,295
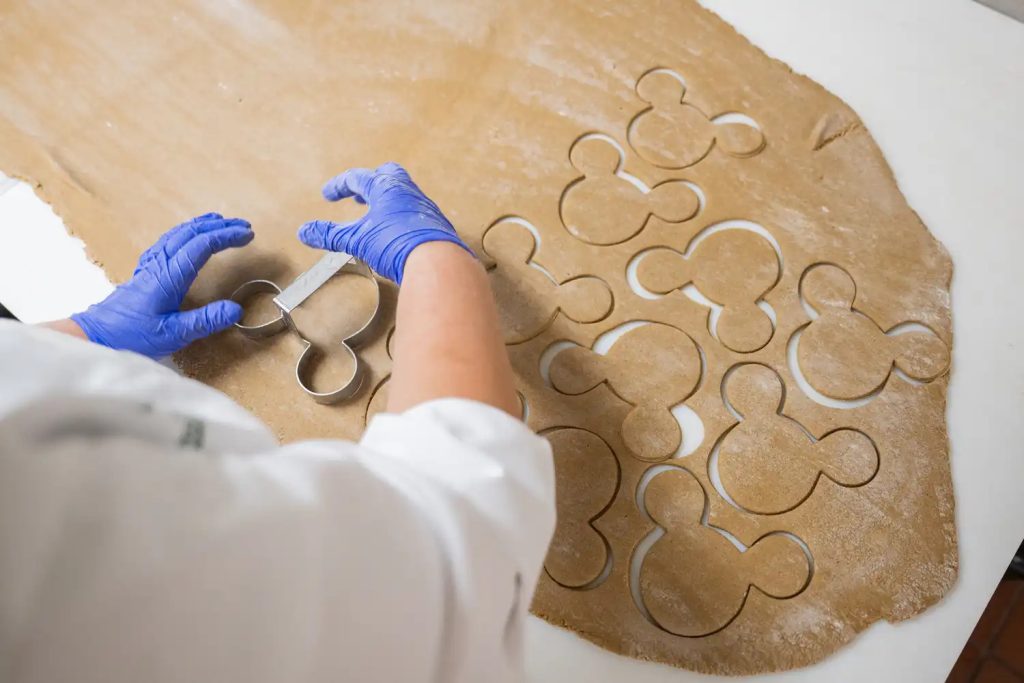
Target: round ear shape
378,400
673,201
524,407
585,299
662,270
848,457
674,498
576,371
777,565
577,553
510,242
921,355
753,389
592,155
739,139
734,265
660,88
651,433
744,327
828,286
390,343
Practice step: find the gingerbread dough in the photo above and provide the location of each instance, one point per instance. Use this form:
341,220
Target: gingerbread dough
718,577
673,133
605,208
768,463
528,298
653,368
586,480
618,133
733,268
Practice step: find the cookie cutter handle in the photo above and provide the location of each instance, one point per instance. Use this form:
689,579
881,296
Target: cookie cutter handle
310,281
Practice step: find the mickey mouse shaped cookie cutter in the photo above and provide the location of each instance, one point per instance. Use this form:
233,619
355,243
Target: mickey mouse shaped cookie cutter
291,297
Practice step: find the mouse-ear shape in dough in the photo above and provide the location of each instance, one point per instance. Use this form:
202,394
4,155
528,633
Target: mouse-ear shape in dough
576,370
777,565
585,299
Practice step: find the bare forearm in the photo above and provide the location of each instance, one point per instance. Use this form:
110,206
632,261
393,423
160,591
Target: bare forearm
67,326
448,340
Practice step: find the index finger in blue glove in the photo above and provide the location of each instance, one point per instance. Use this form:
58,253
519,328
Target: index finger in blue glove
355,182
191,230
157,248
328,235
205,320
394,169
185,264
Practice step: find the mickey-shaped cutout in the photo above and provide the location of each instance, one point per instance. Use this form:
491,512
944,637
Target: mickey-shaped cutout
653,367
603,208
694,581
844,354
734,268
674,134
769,463
528,297
586,480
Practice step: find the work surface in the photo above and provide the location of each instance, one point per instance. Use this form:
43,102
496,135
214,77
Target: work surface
938,92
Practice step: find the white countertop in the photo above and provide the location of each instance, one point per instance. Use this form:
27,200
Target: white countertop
940,85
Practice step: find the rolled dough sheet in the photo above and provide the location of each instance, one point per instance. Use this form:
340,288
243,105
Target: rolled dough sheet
674,224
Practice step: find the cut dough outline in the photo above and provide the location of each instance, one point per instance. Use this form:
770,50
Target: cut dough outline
716,128
656,198
609,560
628,386
662,270
568,297
559,291
829,317
659,532
714,475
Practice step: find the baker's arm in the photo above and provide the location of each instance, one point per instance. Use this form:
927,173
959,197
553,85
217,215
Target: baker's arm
149,530
448,340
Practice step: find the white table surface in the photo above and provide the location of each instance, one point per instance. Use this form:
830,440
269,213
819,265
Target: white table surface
940,85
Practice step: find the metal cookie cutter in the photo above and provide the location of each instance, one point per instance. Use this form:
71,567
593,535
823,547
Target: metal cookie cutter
292,297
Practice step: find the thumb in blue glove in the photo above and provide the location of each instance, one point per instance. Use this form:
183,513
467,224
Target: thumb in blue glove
400,218
143,314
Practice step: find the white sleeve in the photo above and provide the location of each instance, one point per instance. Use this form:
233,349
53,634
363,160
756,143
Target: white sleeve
151,530
486,484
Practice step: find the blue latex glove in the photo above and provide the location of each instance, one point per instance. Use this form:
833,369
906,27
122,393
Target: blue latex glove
400,218
143,315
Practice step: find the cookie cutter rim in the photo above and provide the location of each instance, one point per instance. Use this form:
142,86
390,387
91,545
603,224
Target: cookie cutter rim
291,297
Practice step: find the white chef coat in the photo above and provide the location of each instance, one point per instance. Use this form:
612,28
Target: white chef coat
153,530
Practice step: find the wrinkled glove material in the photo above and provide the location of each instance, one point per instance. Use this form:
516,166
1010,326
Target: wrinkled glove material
144,314
399,219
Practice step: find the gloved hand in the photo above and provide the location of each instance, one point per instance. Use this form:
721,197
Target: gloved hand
400,218
143,315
